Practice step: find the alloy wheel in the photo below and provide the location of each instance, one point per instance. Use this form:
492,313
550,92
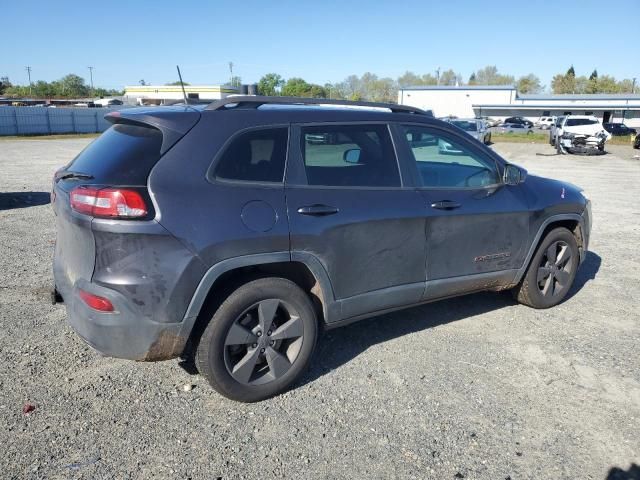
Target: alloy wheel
263,342
554,271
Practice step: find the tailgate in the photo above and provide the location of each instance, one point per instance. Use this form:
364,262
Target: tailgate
75,246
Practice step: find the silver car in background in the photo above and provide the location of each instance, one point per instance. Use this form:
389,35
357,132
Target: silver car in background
514,128
477,128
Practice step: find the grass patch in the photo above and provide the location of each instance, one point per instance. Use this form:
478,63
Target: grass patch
621,140
520,137
59,136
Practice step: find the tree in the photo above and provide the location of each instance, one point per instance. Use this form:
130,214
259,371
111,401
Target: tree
236,81
142,82
4,84
409,79
177,83
626,86
571,72
298,87
489,76
73,86
428,79
472,79
529,84
69,86
270,84
563,84
449,77
594,75
607,84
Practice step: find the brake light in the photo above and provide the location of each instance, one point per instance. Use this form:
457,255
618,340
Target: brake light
108,202
94,301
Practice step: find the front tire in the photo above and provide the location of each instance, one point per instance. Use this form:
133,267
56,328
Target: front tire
551,272
259,341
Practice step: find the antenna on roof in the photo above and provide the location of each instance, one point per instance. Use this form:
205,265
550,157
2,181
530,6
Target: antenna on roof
184,93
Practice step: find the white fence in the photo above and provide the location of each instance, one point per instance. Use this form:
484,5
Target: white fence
46,121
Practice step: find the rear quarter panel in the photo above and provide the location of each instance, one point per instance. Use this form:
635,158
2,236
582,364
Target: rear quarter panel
206,216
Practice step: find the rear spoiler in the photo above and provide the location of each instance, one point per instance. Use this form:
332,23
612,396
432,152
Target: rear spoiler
174,122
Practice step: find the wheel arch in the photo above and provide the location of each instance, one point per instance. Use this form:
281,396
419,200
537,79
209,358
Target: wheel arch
571,221
224,277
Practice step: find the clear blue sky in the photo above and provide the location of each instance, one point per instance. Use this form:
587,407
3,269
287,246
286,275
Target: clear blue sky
321,41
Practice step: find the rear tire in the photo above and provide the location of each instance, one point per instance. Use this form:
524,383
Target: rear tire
551,272
259,340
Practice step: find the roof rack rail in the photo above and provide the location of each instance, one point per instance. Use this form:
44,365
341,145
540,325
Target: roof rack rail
255,101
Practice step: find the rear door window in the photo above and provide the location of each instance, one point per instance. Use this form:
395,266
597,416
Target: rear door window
123,155
349,156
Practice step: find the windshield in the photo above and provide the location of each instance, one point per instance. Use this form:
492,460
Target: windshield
467,126
124,154
574,122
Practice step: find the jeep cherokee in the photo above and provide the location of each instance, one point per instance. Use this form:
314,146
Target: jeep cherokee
238,231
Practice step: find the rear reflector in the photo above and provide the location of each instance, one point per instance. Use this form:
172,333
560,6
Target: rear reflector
97,303
108,202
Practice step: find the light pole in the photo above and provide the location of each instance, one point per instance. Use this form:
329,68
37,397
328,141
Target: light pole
28,69
91,75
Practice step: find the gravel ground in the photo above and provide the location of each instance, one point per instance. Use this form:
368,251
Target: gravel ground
477,387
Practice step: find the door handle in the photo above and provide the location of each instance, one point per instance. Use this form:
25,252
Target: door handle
317,210
445,205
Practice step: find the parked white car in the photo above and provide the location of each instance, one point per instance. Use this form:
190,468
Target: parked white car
545,122
581,124
581,134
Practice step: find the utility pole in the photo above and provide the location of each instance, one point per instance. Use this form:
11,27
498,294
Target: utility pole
91,75
231,73
28,69
438,76
633,86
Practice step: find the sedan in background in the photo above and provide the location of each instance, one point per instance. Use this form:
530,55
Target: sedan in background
520,120
618,129
514,128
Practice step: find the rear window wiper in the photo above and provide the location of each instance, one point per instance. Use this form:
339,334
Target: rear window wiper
77,175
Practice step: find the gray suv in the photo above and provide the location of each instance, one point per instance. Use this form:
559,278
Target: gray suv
238,231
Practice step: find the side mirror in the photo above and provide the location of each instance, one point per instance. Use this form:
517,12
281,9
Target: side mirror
352,155
513,175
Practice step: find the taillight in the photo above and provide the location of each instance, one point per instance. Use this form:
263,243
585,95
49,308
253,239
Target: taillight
94,301
108,202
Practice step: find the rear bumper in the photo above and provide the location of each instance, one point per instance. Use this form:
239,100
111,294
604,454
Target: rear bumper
122,333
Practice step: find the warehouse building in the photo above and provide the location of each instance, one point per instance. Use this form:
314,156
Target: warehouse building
169,94
500,102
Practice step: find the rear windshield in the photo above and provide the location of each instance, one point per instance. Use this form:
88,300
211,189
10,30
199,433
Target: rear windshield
124,155
574,122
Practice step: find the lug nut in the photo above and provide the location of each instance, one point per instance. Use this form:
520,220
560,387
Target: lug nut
262,350
254,345
269,332
259,333
272,343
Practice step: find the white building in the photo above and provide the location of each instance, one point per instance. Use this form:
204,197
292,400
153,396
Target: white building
500,102
168,94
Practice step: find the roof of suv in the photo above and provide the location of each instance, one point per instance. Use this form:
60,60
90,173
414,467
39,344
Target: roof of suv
176,120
